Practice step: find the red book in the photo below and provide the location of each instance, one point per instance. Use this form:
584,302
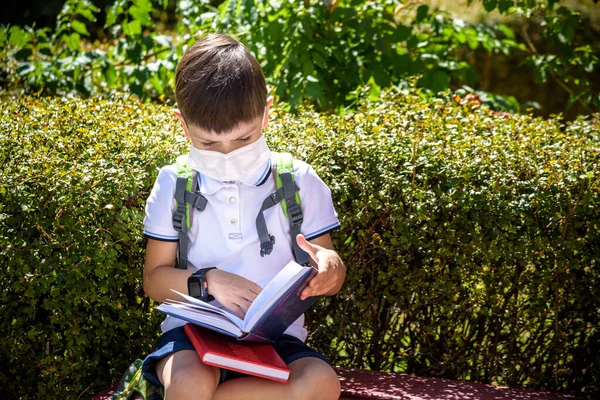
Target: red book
258,359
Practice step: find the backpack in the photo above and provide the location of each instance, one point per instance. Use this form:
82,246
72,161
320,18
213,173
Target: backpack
133,385
286,193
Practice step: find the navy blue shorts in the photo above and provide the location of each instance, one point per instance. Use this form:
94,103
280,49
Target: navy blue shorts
288,347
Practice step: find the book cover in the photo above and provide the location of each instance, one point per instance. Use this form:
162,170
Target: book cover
257,359
275,308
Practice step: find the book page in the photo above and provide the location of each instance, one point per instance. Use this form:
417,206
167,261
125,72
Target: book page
219,310
272,291
200,316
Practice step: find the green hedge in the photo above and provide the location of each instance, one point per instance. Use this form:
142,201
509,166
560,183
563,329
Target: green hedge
472,240
75,176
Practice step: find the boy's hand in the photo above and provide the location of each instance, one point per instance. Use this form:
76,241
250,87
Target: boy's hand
232,291
331,270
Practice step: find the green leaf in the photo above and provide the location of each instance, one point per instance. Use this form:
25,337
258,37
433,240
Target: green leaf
3,37
374,90
18,37
308,68
318,58
79,27
157,84
87,11
382,78
140,12
313,90
110,74
472,38
422,13
507,31
401,33
144,5
490,4
472,76
112,14
401,63
132,28
73,41
505,5
436,81
25,68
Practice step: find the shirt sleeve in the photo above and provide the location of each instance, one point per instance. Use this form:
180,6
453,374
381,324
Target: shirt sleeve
320,217
160,205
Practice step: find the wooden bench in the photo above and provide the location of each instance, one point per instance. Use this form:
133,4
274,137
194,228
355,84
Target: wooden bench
360,384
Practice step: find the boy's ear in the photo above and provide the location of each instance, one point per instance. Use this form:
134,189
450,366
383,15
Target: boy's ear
266,116
183,124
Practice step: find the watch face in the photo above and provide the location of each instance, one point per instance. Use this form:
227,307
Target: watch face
194,287
198,287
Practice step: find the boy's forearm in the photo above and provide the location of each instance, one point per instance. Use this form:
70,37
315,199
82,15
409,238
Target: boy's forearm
159,282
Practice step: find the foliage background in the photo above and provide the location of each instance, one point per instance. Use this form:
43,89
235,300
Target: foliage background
471,240
324,51
471,234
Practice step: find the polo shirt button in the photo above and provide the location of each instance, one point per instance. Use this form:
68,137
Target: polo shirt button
233,221
232,199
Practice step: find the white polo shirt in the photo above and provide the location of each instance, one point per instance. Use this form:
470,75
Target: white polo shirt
224,234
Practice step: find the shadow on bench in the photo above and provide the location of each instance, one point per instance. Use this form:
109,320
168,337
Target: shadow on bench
361,384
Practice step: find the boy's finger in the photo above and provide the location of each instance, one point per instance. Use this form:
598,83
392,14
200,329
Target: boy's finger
306,245
254,288
310,292
313,288
305,294
244,304
315,282
319,285
249,295
237,310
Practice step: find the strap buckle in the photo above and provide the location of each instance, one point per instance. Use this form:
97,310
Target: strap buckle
199,202
179,218
295,214
266,248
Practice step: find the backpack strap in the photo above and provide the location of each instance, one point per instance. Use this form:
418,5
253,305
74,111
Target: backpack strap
286,193
185,196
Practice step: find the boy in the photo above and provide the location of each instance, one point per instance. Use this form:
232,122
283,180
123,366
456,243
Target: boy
223,108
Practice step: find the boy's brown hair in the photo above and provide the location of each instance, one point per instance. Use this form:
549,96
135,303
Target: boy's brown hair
219,84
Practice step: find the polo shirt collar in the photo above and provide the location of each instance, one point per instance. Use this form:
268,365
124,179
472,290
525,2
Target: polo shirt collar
208,185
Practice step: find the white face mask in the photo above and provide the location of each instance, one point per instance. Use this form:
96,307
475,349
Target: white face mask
232,166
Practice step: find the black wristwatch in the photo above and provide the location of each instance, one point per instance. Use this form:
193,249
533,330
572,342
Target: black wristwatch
197,286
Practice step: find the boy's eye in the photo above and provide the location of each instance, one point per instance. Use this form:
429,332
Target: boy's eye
246,139
207,144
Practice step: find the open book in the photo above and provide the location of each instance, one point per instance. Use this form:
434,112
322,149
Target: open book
275,308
